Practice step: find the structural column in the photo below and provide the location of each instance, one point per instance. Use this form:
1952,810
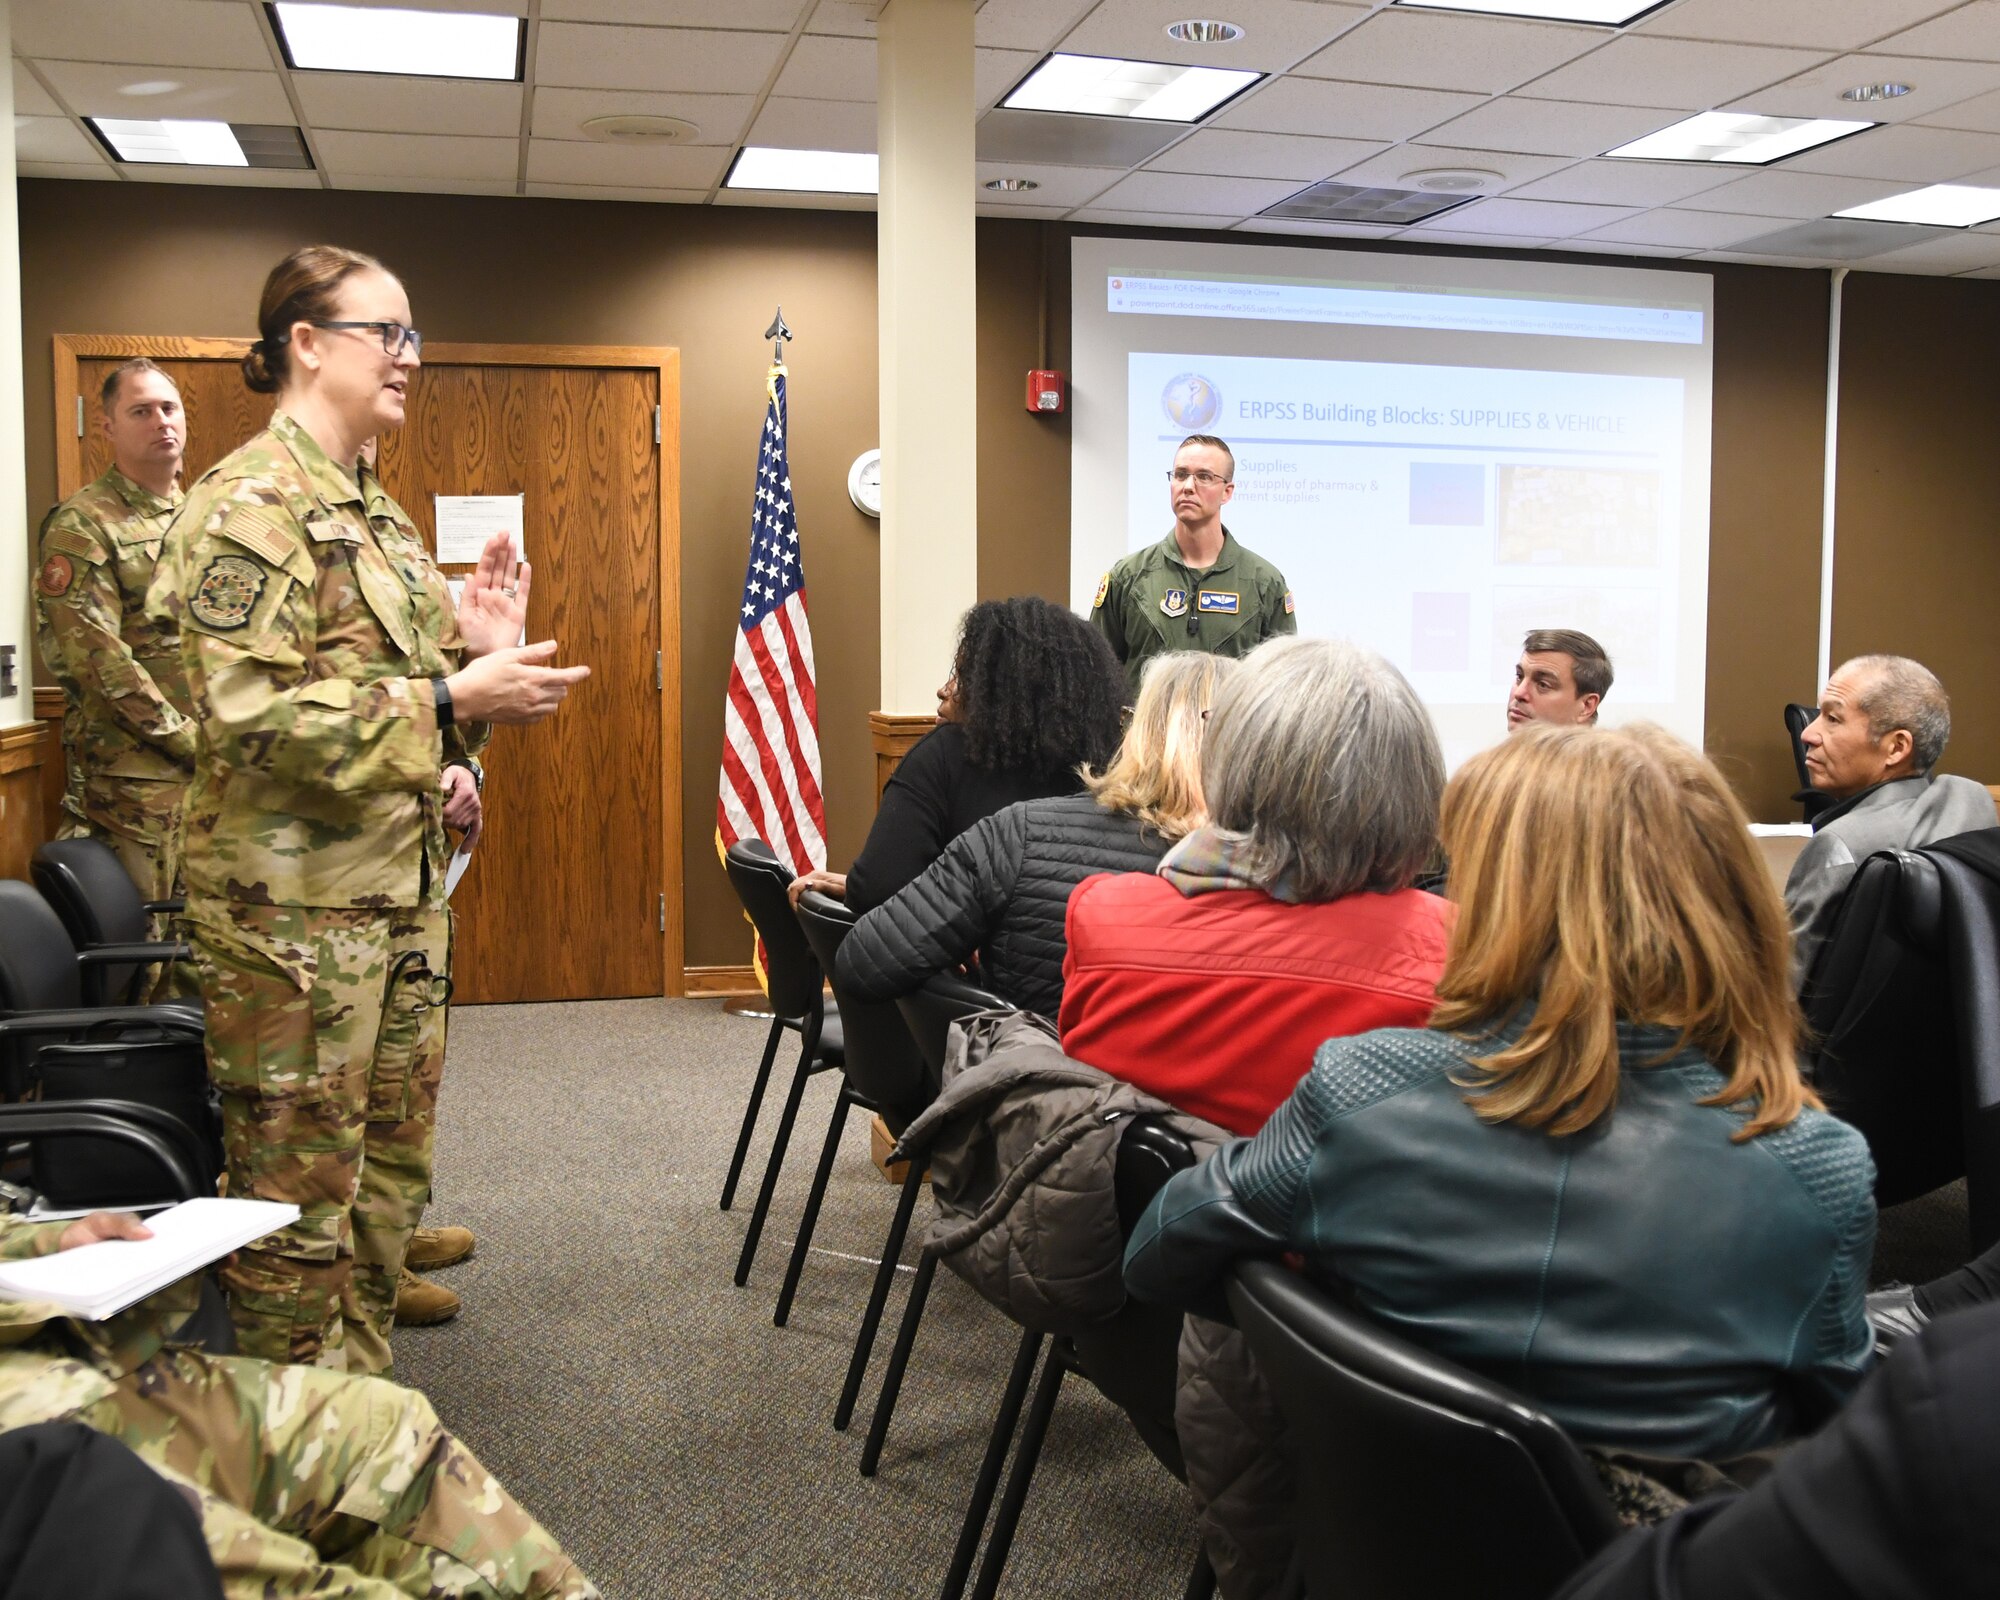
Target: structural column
926,307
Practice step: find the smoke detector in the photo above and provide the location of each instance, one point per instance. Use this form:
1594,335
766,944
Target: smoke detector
641,130
1452,180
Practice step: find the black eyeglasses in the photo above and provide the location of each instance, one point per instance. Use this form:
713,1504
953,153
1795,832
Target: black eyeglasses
394,335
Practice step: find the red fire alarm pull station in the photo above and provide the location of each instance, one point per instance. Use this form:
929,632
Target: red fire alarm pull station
1045,391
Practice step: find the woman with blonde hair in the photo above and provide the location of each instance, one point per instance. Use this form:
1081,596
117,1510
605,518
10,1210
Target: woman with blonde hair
1597,1176
999,890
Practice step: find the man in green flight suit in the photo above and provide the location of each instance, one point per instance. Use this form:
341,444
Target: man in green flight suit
127,739
1197,589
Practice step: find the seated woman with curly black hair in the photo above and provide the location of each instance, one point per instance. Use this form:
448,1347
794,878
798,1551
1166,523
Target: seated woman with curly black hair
1034,694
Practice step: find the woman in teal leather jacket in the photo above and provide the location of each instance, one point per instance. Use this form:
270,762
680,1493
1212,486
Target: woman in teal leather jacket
1597,1176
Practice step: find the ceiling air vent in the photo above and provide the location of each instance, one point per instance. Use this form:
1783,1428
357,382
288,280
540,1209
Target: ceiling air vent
1347,202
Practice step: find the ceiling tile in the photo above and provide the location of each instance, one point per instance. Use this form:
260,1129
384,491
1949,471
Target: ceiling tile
1479,241
1545,219
1163,191
1808,24
1394,165
1549,127
815,125
158,33
561,113
1777,192
507,8
226,177
1026,24
854,18
65,169
1748,258
825,68
1442,50
768,16
1228,153
398,155
995,72
1934,86
104,91
1157,219
409,105
1343,110
588,191
1624,183
1608,247
995,206
1060,186
52,139
774,200
1964,252
1275,32
578,55
30,98
1927,155
1980,114
397,185
1680,74
1690,230
1986,272
625,166
1071,141
1968,33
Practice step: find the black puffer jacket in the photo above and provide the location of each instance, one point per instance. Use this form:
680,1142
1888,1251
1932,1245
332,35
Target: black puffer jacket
1000,889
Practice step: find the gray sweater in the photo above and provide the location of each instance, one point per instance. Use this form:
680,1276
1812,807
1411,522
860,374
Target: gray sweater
1904,814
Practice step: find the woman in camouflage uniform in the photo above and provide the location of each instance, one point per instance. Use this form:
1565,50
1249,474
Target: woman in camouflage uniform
331,679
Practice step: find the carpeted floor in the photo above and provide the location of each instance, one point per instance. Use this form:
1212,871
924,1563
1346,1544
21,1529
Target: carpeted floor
608,1370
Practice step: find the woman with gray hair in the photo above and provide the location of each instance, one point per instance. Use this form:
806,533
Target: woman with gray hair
1291,918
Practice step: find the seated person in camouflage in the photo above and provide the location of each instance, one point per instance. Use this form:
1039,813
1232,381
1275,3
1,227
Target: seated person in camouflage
307,1482
128,743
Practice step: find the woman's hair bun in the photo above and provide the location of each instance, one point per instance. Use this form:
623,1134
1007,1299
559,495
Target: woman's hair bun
257,372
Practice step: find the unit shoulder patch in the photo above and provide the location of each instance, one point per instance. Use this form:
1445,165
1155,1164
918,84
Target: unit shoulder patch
55,577
227,592
1103,588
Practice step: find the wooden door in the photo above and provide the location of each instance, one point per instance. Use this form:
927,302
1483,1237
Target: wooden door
575,887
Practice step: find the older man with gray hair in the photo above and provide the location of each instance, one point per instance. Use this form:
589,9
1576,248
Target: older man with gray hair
1882,726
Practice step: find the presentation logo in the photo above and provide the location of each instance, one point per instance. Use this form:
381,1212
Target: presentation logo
1192,401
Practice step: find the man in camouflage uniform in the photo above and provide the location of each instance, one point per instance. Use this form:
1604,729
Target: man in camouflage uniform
306,1482
313,636
1197,589
127,738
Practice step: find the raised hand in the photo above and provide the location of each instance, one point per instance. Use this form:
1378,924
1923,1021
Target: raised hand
493,607
512,685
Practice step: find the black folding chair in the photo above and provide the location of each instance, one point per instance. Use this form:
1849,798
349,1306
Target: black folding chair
105,916
1797,719
1416,1477
881,1072
795,986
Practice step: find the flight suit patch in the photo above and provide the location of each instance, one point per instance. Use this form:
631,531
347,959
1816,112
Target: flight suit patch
1289,606
227,592
1219,601
1174,602
1103,588
56,576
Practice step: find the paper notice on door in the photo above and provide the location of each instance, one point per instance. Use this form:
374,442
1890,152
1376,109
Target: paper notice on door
466,521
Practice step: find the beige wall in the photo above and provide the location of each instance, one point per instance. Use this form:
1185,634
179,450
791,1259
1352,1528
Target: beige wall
1918,558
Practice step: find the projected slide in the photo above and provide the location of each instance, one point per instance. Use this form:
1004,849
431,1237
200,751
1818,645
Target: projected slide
1438,513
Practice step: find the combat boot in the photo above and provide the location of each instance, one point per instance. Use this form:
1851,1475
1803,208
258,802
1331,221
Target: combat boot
431,1248
421,1303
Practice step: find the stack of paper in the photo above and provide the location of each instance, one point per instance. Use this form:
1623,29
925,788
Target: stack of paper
100,1280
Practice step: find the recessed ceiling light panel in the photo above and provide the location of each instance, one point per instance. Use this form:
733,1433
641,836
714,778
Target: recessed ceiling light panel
1942,205
1202,31
1866,93
1604,13
1737,138
1107,86
804,171
172,143
1011,185
420,44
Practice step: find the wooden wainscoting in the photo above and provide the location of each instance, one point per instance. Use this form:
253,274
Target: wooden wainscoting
893,737
21,827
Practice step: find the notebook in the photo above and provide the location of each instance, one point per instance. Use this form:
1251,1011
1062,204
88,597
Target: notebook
100,1280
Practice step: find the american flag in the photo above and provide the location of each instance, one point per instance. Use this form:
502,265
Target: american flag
770,743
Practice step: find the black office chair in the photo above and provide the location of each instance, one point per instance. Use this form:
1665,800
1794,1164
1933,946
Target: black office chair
795,985
1149,1153
1416,1478
104,913
1797,719
1904,1006
881,1072
55,1047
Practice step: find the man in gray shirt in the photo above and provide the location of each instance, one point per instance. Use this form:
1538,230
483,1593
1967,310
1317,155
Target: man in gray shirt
1882,725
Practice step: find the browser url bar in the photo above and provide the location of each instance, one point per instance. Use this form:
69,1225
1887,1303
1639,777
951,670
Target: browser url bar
1400,308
